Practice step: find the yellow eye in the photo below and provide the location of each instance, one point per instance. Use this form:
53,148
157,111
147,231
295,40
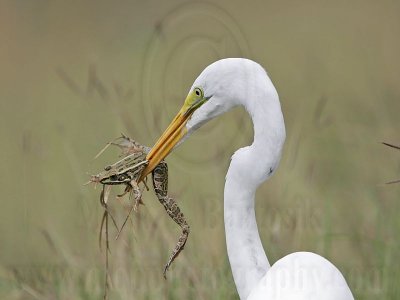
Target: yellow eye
194,100
198,92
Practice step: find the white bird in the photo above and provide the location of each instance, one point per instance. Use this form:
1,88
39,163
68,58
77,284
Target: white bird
221,86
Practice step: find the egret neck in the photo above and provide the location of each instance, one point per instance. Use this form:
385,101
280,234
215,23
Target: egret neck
251,166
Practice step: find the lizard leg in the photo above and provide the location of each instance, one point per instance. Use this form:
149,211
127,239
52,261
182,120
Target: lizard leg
137,194
160,183
175,213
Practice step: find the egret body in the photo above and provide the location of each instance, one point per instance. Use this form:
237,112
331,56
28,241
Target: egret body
221,86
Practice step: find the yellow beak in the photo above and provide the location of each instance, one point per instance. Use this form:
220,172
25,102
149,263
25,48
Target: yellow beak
175,131
171,136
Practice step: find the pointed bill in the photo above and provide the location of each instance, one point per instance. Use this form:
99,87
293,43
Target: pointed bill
175,131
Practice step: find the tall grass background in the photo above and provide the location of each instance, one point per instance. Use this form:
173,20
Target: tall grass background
74,74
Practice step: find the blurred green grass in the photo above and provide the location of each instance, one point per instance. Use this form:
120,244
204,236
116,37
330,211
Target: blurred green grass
72,78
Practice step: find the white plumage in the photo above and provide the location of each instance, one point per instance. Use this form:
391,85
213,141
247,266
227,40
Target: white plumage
301,275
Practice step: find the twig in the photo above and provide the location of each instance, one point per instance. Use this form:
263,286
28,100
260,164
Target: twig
390,145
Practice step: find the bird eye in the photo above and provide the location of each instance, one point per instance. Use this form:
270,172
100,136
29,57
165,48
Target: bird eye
195,98
198,92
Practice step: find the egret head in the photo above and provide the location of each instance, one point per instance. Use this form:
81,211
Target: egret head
217,89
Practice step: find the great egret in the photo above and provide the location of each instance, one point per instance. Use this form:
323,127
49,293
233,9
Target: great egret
222,85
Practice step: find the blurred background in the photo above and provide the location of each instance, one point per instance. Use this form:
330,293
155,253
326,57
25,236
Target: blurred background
75,74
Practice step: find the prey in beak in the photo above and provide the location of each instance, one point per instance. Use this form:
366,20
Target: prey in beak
175,131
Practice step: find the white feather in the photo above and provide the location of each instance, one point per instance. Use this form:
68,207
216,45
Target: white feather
301,275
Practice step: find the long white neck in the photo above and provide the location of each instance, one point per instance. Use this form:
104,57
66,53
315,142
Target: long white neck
250,166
